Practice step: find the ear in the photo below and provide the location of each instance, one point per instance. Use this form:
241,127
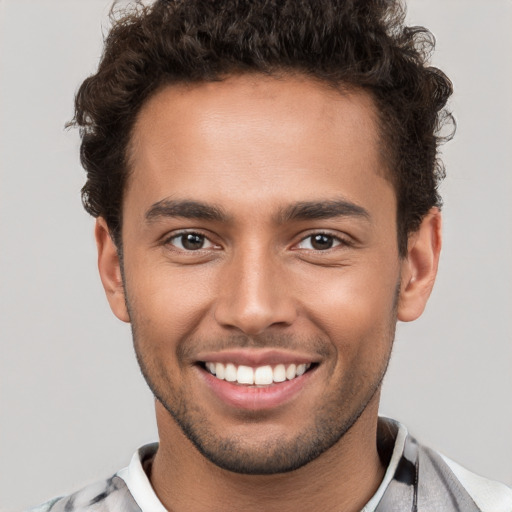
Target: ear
419,268
110,270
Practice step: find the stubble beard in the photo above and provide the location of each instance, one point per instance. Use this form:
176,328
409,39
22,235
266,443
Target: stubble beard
329,424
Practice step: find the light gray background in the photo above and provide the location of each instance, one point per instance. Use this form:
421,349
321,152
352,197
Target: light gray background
73,405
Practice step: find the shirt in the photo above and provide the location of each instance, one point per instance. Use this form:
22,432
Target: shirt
417,479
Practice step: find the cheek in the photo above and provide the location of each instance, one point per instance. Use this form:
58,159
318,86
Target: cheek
166,303
354,307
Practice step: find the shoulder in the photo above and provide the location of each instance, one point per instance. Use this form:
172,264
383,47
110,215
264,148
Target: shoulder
488,495
419,478
104,496
441,479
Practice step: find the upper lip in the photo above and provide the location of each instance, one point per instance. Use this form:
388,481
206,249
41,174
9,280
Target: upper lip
256,357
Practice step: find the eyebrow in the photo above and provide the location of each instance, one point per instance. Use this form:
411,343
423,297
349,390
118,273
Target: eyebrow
304,210
186,209
313,210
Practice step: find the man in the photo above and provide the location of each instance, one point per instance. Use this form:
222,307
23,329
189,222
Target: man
264,175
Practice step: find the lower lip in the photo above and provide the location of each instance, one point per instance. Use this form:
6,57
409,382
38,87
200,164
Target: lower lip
256,397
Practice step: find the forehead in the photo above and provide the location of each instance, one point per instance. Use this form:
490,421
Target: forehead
255,138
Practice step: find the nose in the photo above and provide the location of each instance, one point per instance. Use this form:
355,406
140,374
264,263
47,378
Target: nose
253,295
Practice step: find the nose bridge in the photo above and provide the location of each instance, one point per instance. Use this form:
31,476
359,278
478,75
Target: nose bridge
252,293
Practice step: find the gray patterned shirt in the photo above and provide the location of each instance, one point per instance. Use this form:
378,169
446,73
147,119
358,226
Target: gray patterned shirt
417,479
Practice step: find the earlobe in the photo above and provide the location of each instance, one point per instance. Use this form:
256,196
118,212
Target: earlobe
419,268
110,270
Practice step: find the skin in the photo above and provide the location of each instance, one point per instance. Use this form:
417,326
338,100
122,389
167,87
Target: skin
255,148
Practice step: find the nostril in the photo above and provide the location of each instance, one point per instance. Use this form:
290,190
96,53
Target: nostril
254,321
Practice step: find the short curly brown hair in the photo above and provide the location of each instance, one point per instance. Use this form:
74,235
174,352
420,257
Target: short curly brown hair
355,43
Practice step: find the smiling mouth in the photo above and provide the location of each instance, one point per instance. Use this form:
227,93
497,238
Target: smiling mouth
259,376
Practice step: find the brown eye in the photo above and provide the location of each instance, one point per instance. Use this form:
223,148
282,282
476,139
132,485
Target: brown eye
190,242
322,242
319,242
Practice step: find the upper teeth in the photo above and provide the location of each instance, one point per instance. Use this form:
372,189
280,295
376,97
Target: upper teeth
261,375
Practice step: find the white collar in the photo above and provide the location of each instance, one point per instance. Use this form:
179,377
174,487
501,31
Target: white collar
398,450
138,482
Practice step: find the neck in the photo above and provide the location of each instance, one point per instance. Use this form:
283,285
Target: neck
344,477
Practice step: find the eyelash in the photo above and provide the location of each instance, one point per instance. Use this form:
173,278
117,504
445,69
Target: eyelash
180,235
337,241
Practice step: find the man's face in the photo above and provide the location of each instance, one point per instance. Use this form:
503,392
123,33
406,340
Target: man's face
259,231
